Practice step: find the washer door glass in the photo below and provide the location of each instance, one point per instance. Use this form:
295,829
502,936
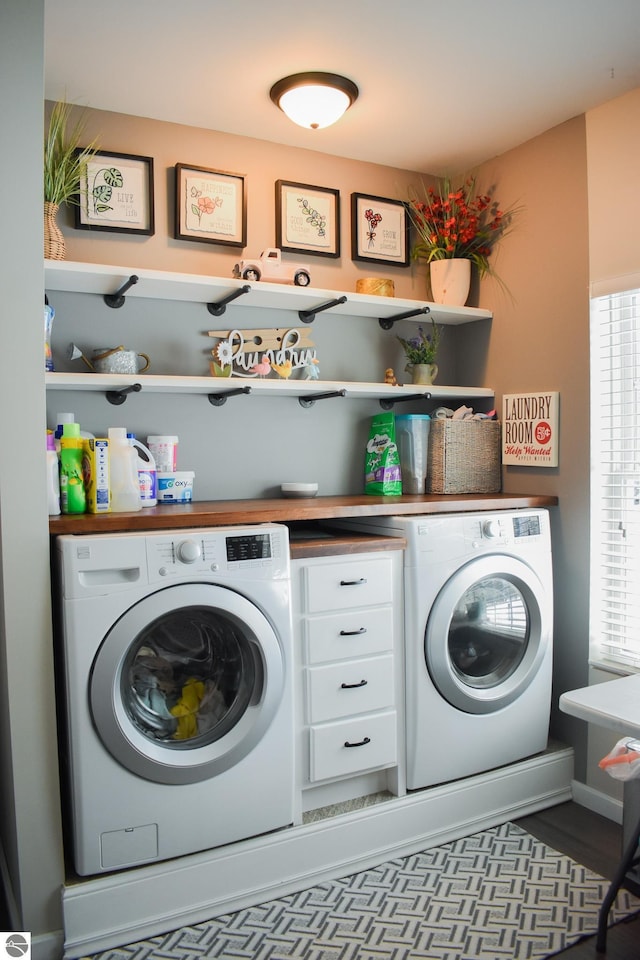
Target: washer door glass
188,677
186,683
487,633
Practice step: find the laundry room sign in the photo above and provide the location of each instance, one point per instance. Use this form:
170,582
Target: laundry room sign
530,429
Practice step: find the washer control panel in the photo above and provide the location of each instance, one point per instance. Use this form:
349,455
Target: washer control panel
255,553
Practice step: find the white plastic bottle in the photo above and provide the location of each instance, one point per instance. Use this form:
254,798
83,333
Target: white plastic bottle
147,475
53,476
123,471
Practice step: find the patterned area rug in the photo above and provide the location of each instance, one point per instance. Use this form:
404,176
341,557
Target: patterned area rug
497,895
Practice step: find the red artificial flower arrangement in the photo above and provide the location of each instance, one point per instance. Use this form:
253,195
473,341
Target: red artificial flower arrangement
458,223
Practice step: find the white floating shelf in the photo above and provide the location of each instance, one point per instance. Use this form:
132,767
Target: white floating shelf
152,383
64,275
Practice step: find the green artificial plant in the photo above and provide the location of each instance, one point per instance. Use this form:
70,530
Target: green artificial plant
65,162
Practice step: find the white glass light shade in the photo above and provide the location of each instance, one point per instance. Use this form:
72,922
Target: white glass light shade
313,106
314,100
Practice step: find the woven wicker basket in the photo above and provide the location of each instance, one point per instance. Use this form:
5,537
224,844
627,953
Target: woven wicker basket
464,457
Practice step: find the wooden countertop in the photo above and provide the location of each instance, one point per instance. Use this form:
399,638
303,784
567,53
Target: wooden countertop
215,513
326,544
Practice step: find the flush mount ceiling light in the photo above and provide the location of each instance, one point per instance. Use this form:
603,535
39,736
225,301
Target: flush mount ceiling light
314,100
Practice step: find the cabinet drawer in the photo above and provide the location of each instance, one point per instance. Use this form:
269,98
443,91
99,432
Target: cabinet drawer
342,636
375,739
359,583
343,689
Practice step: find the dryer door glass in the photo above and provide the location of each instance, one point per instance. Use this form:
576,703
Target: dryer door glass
489,632
189,677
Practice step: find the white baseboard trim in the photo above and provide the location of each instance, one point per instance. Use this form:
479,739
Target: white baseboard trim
596,801
109,911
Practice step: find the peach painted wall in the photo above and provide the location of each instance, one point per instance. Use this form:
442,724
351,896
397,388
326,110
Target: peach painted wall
613,135
262,163
539,340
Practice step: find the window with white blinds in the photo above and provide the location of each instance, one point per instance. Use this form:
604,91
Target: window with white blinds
615,473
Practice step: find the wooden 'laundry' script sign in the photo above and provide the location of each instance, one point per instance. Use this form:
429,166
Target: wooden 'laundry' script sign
258,353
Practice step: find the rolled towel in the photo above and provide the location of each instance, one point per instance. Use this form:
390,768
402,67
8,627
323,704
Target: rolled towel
463,413
441,413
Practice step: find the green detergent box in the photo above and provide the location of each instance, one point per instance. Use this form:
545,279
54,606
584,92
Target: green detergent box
95,471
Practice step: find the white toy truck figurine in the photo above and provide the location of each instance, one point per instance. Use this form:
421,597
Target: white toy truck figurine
270,266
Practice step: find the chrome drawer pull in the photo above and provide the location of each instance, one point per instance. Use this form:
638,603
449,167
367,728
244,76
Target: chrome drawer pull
353,633
362,743
350,686
353,583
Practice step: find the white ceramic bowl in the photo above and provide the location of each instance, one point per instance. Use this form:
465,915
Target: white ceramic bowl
299,489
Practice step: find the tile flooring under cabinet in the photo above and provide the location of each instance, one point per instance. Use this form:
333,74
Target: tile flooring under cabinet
348,806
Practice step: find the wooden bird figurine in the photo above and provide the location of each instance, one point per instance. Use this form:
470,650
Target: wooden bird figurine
283,369
262,368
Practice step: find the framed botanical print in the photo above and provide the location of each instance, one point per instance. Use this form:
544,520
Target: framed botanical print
116,194
307,219
379,230
211,205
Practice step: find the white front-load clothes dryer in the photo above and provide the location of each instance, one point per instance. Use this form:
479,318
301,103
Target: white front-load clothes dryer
175,655
478,639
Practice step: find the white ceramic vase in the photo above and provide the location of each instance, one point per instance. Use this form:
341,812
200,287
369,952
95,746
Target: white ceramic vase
450,281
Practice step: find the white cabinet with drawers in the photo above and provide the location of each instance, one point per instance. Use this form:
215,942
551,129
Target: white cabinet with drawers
348,628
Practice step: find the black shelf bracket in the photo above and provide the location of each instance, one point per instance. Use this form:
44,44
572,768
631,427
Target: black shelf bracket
309,401
387,404
116,397
308,316
387,322
118,298
217,399
217,309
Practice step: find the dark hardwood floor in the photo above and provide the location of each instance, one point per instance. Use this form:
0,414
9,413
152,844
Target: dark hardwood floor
586,837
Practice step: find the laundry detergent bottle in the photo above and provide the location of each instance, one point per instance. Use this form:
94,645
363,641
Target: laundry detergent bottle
73,498
53,476
147,475
123,470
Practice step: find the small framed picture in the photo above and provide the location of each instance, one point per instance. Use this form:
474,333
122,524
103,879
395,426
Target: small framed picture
116,194
307,219
211,205
379,230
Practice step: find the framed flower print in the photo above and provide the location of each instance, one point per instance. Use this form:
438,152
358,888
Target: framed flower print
211,206
379,230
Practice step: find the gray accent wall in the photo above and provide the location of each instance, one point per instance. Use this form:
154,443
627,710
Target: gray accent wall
30,822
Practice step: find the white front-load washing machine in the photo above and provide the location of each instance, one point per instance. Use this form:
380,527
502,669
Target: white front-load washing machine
175,654
478,639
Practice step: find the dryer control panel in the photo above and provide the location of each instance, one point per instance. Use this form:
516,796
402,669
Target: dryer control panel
505,528
521,533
